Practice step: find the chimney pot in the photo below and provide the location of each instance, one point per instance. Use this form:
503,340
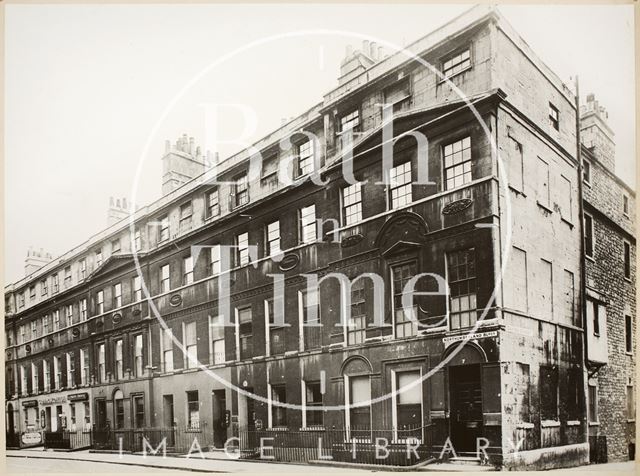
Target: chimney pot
349,51
373,49
365,47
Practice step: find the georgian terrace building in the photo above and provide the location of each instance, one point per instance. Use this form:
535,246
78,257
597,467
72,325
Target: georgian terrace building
509,251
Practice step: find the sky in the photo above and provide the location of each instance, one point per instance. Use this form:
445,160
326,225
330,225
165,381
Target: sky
88,86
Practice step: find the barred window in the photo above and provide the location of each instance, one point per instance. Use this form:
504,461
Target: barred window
457,163
461,276
400,185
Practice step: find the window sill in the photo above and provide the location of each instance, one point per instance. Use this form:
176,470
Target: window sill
573,423
588,184
594,423
517,192
313,428
544,207
631,420
524,426
590,258
567,222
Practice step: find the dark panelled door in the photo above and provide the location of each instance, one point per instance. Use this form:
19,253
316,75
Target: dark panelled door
466,407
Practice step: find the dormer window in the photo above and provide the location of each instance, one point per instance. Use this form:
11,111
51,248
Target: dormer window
456,64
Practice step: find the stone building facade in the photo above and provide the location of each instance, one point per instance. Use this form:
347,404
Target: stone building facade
610,292
131,316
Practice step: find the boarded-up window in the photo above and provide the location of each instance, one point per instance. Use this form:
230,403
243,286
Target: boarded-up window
515,281
545,282
569,299
574,386
564,199
491,388
516,168
548,392
522,386
542,185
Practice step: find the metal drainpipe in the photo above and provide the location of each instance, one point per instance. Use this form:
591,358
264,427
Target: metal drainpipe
583,274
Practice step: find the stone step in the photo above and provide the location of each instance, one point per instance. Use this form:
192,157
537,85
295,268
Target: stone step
456,467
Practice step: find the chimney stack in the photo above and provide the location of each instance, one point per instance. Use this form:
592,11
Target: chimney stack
181,163
117,210
357,61
35,260
595,132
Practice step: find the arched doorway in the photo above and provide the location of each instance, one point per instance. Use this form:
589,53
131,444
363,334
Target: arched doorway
118,409
465,397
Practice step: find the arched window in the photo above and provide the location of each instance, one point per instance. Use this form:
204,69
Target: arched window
118,409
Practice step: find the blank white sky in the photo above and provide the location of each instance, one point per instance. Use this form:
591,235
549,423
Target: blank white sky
86,83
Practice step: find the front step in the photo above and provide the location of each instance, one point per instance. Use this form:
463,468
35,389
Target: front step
456,467
467,460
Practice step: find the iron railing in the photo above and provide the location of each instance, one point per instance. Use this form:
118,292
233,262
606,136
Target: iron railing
68,440
389,447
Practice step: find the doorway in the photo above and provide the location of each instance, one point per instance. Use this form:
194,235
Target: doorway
219,402
101,413
10,422
465,396
168,418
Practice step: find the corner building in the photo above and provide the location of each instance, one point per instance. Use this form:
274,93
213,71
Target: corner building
509,251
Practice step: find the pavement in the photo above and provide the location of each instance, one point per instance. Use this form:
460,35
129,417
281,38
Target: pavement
213,462
37,460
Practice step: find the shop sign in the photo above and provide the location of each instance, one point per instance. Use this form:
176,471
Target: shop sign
78,397
477,335
30,403
31,438
50,400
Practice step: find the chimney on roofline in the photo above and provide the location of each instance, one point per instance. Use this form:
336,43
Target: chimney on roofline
182,162
595,132
35,260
